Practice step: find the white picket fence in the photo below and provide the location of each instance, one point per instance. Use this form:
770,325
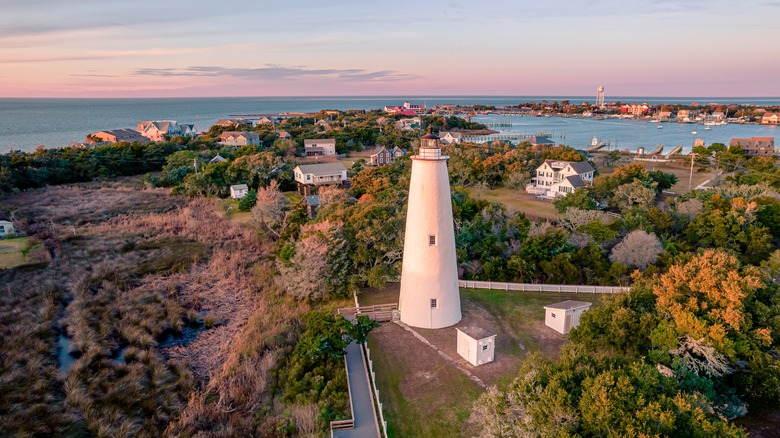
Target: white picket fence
529,287
371,373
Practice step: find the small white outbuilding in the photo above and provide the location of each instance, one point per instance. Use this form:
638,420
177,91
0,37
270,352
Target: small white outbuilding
238,191
564,316
6,229
476,345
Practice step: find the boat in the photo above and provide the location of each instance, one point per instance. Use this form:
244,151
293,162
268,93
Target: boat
708,128
658,149
693,132
595,144
660,126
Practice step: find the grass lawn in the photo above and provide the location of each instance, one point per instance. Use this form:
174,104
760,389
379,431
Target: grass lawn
17,252
681,169
517,200
417,387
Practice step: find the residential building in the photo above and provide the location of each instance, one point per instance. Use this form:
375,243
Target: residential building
239,138
7,229
310,176
265,121
539,140
319,146
686,115
233,123
322,125
770,118
555,178
218,159
115,136
284,135
635,109
238,191
407,109
755,146
157,130
382,155
450,137
409,124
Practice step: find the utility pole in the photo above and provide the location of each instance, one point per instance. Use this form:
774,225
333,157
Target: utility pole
690,178
195,164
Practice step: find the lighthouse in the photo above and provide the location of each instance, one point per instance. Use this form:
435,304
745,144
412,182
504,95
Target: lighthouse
430,297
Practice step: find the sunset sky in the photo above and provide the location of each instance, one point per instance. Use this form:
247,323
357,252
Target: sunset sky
176,48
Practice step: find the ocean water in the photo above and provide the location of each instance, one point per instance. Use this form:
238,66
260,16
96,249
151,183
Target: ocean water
27,123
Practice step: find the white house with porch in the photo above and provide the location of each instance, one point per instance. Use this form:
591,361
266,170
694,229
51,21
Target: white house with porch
7,229
310,176
554,178
319,146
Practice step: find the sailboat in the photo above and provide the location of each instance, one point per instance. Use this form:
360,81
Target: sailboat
694,131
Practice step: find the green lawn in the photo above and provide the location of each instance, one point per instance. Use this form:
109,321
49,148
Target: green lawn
425,396
17,251
517,200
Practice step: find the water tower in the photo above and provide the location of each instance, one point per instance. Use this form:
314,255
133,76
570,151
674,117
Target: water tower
600,97
430,297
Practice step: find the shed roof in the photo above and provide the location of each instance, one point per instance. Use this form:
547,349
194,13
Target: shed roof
476,332
568,305
313,200
239,187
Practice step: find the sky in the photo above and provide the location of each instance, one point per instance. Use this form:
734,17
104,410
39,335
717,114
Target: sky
198,48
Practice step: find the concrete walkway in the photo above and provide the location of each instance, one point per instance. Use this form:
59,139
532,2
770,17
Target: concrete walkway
366,425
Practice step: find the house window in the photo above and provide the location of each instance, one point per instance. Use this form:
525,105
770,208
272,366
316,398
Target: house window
2,229
308,177
431,240
553,315
484,348
433,303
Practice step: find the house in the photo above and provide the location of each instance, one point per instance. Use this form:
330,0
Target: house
407,109
233,123
450,137
770,118
238,191
284,135
564,316
322,125
115,136
539,140
686,115
476,345
157,130
555,178
217,159
755,146
382,155
239,138
312,203
310,176
7,229
409,124
319,146
265,121
635,109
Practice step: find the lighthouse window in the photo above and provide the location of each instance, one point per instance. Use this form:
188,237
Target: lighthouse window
433,303
431,240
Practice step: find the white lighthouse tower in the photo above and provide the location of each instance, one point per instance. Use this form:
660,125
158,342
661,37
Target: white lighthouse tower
430,297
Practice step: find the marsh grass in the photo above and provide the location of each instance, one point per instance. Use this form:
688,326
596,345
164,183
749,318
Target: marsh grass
131,267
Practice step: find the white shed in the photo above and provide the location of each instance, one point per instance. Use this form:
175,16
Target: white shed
238,191
6,229
476,345
564,316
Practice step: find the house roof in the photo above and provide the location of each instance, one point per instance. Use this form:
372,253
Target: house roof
568,305
476,332
323,169
452,134
6,223
575,181
312,200
239,187
217,159
246,134
538,139
581,167
315,141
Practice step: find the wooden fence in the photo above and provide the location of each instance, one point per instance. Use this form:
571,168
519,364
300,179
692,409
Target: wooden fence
375,390
379,312
529,287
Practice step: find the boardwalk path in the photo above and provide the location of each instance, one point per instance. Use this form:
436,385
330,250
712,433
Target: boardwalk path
366,425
